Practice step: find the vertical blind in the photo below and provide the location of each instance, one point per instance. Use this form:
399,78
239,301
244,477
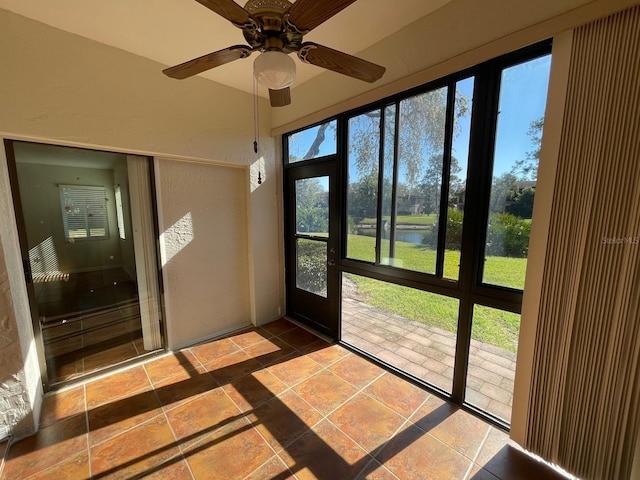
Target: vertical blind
584,405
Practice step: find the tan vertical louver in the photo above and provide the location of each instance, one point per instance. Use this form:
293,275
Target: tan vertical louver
584,409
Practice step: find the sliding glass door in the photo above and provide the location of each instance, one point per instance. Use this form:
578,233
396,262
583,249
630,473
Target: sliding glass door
87,233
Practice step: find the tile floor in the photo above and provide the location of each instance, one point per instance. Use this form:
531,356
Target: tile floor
266,403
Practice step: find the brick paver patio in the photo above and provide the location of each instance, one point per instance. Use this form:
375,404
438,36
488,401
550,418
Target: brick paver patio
428,353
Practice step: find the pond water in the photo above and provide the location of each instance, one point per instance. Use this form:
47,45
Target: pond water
410,236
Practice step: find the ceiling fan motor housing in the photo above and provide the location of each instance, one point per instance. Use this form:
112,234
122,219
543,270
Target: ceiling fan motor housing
272,31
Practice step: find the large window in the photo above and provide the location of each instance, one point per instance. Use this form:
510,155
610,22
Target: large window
406,167
437,189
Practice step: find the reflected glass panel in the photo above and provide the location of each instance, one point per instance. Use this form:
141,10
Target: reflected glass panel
312,206
314,142
458,176
412,330
422,120
362,175
311,266
492,360
523,96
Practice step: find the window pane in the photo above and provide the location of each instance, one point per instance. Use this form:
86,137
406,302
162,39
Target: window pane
386,252
492,360
422,121
457,176
311,273
362,177
313,142
84,211
312,206
409,329
523,95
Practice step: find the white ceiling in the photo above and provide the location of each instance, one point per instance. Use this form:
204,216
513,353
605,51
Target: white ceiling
174,31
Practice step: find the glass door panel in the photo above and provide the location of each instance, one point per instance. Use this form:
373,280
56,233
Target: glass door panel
311,259
91,273
523,96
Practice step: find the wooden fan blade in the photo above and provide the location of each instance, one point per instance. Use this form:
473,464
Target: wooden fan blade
229,10
340,62
281,97
308,14
206,62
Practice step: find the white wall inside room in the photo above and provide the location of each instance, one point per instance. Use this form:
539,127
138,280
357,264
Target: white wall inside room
203,239
60,88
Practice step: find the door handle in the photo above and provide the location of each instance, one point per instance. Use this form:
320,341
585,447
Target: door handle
331,263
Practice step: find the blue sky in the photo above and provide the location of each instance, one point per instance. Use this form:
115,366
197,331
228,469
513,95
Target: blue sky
522,100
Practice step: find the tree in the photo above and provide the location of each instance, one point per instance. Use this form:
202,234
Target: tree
527,168
502,189
522,205
432,182
311,206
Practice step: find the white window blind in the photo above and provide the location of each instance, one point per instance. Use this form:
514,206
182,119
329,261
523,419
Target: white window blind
84,211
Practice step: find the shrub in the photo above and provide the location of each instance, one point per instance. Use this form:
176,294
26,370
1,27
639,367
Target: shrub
507,236
312,266
453,237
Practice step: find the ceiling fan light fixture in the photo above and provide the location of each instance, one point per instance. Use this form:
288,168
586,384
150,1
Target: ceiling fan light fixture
275,70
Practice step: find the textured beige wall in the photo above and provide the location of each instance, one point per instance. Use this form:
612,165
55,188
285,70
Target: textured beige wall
62,89
204,249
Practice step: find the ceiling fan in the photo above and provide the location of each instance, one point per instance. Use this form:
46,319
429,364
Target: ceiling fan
275,28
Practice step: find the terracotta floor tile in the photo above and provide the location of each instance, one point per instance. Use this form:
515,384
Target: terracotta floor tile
110,356
117,385
495,441
174,364
479,473
143,450
274,468
512,464
269,351
453,426
416,455
325,353
325,391
295,369
367,421
75,467
47,448
60,405
249,337
356,370
200,417
114,418
325,454
375,471
283,419
213,350
279,326
253,390
235,365
184,387
397,394
229,453
299,337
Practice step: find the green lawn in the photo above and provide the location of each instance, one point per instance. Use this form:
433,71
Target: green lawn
492,326
405,219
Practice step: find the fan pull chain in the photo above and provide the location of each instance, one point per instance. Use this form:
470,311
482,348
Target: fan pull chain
256,124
